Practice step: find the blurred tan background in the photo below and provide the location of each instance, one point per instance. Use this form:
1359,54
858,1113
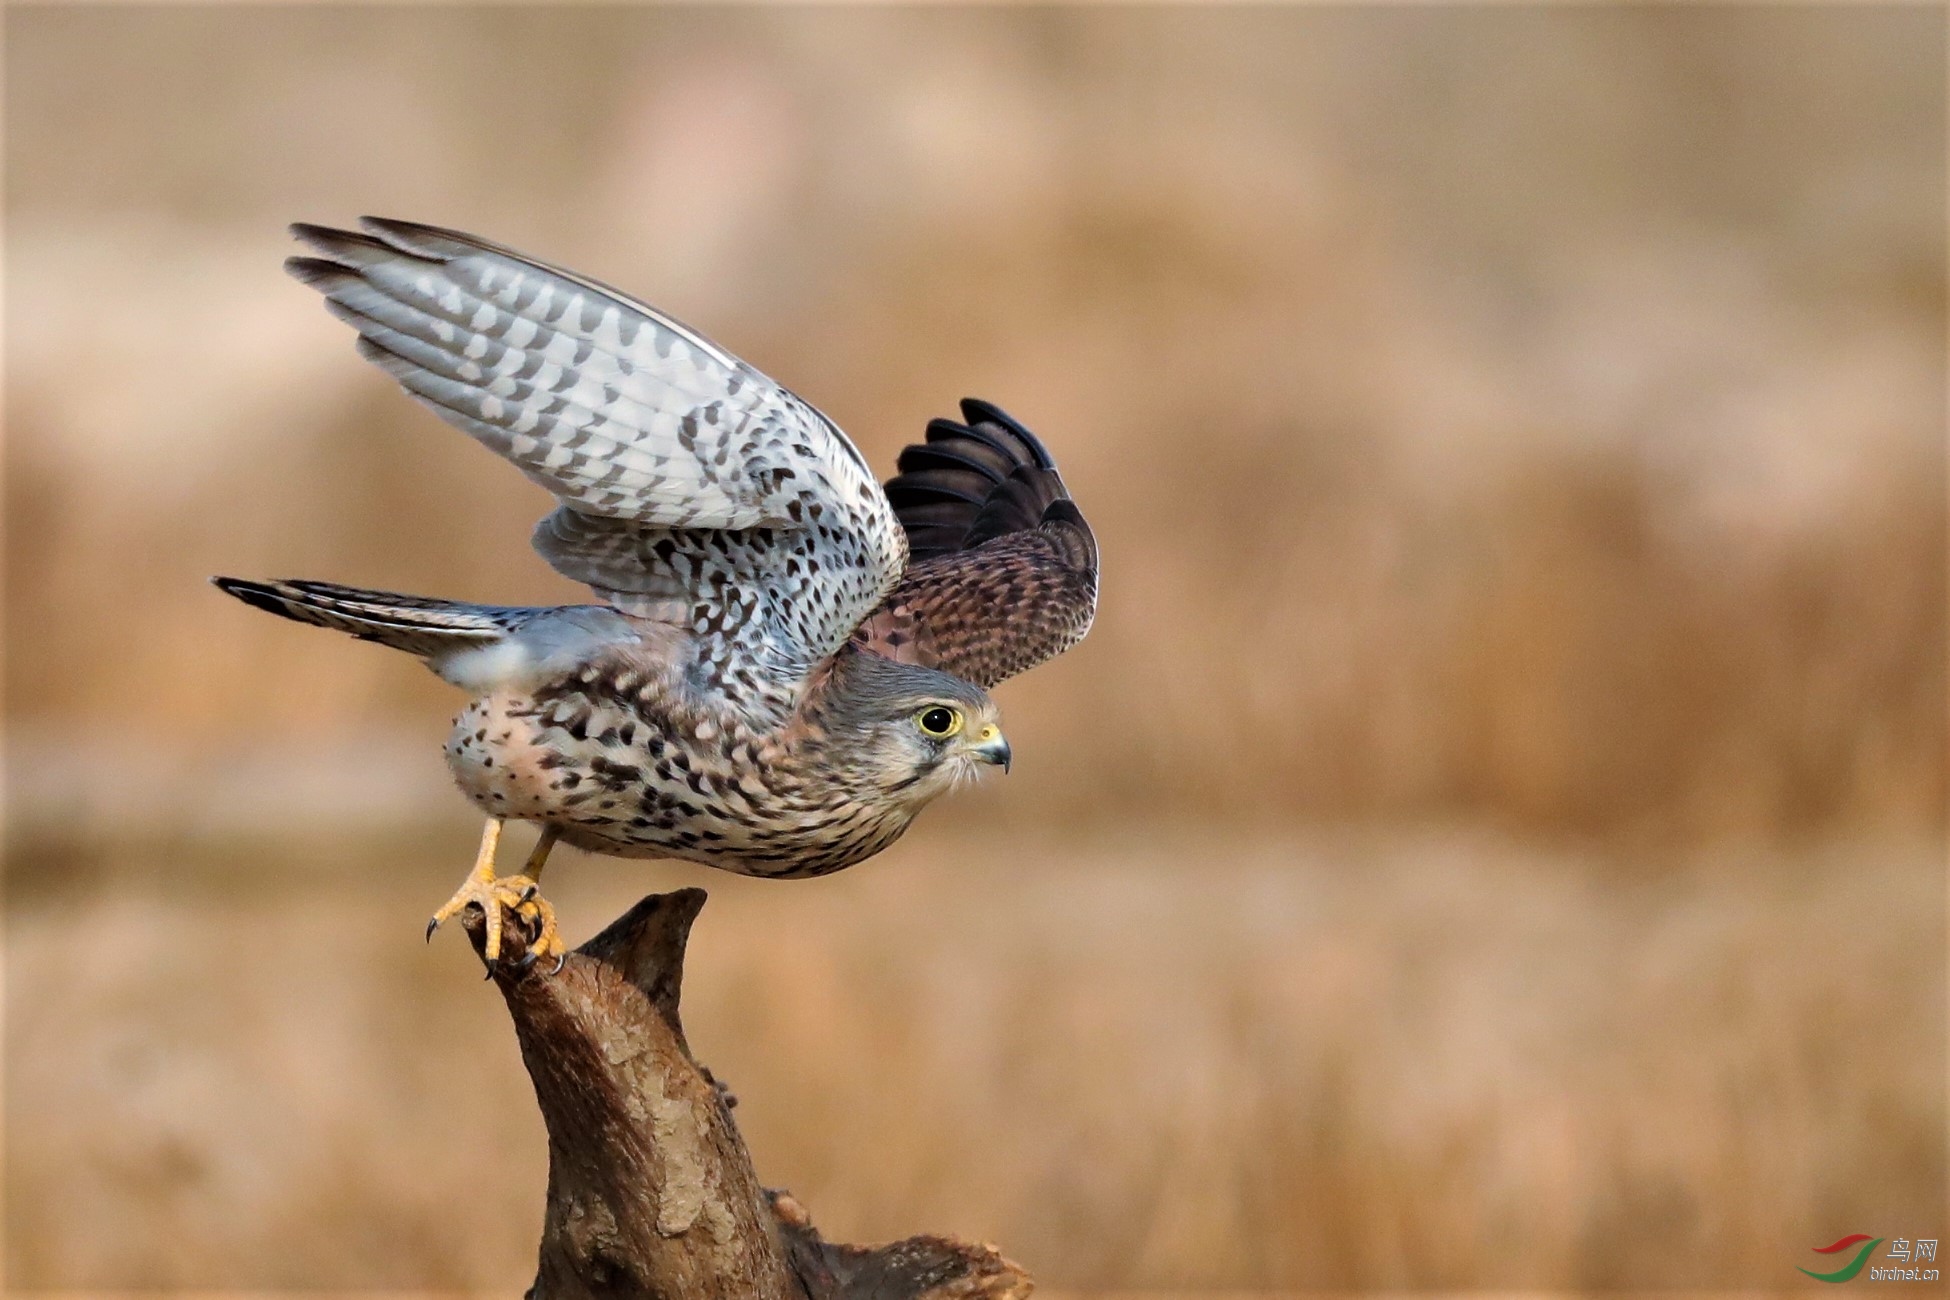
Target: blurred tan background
1493,837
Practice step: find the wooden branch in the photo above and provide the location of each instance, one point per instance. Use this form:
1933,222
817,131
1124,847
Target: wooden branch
651,1191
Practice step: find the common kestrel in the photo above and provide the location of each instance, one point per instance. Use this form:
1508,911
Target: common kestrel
788,662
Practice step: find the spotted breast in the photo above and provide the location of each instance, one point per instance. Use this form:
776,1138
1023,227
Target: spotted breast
618,764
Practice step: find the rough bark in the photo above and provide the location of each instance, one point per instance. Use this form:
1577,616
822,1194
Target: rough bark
651,1192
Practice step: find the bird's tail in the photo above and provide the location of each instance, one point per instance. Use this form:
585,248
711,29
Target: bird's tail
419,625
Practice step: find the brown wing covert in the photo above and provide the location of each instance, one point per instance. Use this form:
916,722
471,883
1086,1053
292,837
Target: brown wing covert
1004,568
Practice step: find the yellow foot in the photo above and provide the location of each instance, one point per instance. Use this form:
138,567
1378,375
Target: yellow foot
540,917
497,898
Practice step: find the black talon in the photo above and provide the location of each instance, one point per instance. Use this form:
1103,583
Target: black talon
528,891
527,960
561,960
432,925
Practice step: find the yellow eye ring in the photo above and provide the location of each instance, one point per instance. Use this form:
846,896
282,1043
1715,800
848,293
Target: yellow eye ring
939,721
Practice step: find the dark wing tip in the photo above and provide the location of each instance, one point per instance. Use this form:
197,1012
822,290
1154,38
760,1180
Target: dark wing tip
254,594
383,238
397,233
318,272
975,437
442,243
331,239
977,412
938,455
398,226
311,232
988,477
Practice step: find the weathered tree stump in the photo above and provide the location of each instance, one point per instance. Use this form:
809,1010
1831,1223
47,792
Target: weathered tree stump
651,1191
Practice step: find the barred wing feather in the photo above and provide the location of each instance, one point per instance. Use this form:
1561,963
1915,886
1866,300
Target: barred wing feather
692,488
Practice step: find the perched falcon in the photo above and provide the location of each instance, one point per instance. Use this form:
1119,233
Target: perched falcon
788,660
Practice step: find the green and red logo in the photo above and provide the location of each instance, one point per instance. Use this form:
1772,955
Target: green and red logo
1854,1266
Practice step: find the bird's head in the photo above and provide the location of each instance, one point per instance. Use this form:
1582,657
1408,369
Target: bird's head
912,732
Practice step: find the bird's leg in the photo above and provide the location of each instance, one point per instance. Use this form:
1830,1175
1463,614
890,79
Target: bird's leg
515,894
533,907
477,889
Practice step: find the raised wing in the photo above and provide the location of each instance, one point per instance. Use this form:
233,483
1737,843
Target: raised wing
693,489
1005,568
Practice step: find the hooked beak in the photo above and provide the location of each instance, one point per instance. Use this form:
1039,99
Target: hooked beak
990,747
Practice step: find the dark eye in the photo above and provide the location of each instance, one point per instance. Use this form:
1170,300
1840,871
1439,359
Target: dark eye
939,721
